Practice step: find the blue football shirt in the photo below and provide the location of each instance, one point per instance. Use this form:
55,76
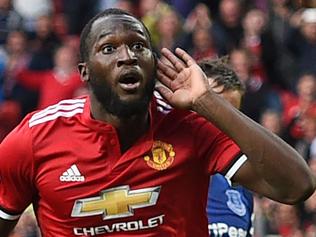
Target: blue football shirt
229,209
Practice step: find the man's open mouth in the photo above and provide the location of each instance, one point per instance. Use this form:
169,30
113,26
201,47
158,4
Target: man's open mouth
129,82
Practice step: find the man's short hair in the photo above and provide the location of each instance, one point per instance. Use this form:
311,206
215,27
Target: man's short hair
85,34
222,73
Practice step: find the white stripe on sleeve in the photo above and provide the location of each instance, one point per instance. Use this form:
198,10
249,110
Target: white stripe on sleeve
7,216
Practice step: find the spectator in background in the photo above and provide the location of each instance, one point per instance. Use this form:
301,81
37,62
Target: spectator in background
151,11
304,145
43,42
16,98
10,20
279,15
202,45
287,220
227,29
149,7
62,82
260,44
31,10
301,41
259,95
280,219
16,58
199,17
272,120
169,29
295,105
197,38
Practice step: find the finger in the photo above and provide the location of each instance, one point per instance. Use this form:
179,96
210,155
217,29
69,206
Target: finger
173,85
164,79
167,70
173,59
165,61
185,57
164,92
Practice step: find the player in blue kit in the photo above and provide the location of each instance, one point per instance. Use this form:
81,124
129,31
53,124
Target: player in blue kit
229,209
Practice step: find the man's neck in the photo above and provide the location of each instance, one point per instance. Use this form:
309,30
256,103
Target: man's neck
129,129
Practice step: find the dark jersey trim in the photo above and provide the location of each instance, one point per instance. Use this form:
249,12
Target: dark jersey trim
232,163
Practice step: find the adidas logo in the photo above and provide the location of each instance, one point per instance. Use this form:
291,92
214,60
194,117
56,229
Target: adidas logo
72,175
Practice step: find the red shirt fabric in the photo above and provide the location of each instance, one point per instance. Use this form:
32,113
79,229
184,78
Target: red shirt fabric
71,168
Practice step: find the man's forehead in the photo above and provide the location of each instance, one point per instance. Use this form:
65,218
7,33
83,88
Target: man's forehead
116,21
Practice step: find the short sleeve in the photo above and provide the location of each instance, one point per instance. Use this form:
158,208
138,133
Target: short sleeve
216,149
16,166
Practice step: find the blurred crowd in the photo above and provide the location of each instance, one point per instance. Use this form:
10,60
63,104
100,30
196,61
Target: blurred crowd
271,45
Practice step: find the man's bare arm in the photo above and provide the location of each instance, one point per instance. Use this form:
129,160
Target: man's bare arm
273,169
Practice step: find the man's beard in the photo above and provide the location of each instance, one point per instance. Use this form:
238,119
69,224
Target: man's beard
111,102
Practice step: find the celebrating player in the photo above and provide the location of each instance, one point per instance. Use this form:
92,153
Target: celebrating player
111,163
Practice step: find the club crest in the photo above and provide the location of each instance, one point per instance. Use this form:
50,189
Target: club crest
235,203
162,156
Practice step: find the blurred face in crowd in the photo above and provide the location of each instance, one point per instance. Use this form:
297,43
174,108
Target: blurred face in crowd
272,121
287,215
230,11
43,26
5,4
240,62
168,24
146,6
254,22
308,123
309,31
121,66
306,87
16,42
65,58
202,39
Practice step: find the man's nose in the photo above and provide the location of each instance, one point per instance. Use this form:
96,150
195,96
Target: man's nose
126,56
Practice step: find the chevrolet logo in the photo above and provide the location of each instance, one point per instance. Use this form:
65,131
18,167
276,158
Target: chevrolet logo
116,202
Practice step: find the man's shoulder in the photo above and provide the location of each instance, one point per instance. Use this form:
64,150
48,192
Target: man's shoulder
63,109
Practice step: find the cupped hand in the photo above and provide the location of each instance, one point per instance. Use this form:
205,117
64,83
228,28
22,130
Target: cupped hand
183,80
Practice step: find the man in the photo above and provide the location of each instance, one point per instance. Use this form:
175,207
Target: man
113,164
229,208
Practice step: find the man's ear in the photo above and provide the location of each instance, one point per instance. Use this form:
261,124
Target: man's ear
84,71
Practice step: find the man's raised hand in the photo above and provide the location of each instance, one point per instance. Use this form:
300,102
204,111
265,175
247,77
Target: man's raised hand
183,80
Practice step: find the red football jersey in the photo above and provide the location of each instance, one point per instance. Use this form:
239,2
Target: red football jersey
71,168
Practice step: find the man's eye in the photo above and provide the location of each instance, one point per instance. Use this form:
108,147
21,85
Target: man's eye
108,49
138,46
